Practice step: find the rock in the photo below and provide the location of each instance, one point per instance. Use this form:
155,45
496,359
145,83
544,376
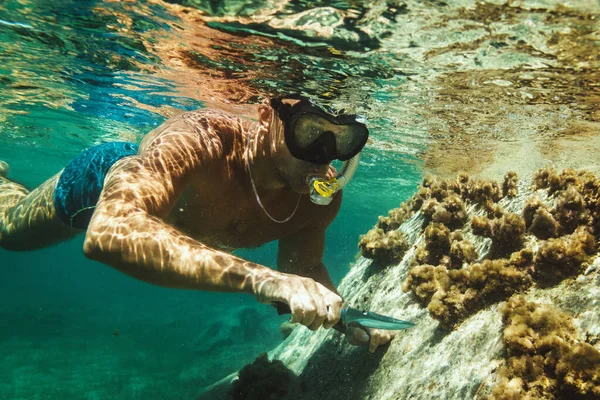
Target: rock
470,318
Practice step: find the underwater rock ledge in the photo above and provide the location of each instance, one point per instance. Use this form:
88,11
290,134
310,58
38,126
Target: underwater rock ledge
502,281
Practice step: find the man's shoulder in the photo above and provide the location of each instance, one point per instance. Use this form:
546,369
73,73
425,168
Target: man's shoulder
204,123
210,117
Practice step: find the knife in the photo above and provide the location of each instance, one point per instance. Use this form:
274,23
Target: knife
353,316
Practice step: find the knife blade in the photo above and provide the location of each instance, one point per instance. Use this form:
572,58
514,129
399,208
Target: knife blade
351,315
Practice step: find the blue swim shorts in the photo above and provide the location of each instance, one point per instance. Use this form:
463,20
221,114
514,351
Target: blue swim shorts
81,182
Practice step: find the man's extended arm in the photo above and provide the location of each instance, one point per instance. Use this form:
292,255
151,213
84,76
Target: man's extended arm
302,254
128,233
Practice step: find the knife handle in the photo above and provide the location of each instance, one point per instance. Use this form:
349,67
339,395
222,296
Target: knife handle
283,308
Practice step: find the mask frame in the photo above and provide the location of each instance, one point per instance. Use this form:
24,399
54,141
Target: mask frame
324,149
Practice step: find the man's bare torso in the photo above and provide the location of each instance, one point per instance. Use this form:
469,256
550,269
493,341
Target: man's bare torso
217,205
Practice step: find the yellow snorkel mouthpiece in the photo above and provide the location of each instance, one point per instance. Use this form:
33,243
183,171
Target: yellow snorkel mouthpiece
323,190
326,188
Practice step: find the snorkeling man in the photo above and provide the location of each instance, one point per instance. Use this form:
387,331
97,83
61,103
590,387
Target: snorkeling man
203,183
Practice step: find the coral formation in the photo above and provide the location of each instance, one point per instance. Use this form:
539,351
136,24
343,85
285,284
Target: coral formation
538,219
579,197
436,244
547,178
461,251
453,295
570,211
545,358
509,186
506,233
560,258
445,277
398,215
384,248
480,191
263,380
450,212
445,248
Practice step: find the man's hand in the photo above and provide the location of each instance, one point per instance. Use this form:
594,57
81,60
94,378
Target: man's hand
359,336
311,304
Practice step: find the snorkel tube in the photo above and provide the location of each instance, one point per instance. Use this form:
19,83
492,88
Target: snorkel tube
323,190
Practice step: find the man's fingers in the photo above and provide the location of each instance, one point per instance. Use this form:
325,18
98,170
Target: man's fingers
297,312
333,308
306,308
310,312
313,305
320,316
317,302
357,336
374,342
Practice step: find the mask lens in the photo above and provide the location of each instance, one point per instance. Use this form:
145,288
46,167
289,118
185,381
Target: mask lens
349,140
310,128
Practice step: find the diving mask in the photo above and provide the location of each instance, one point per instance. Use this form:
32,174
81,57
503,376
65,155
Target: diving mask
315,136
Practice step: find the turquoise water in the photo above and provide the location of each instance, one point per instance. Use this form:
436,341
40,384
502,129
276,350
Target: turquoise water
74,74
446,86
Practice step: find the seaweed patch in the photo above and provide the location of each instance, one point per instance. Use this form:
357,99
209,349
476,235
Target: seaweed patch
384,248
264,380
542,246
544,357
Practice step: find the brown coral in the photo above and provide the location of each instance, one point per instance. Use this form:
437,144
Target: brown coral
482,191
398,215
579,197
452,212
453,295
545,359
471,289
425,280
461,251
444,204
571,210
543,225
538,219
444,277
560,258
530,208
384,248
442,247
509,186
547,178
506,233
264,380
436,244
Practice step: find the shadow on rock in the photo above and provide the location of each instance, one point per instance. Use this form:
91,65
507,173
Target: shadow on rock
347,380
265,380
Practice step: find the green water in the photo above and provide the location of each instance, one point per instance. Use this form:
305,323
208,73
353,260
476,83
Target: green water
429,76
71,328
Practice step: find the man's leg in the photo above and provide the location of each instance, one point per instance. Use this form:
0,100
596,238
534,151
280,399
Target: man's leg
28,218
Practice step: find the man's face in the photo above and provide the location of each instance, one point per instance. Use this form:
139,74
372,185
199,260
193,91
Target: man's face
295,172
